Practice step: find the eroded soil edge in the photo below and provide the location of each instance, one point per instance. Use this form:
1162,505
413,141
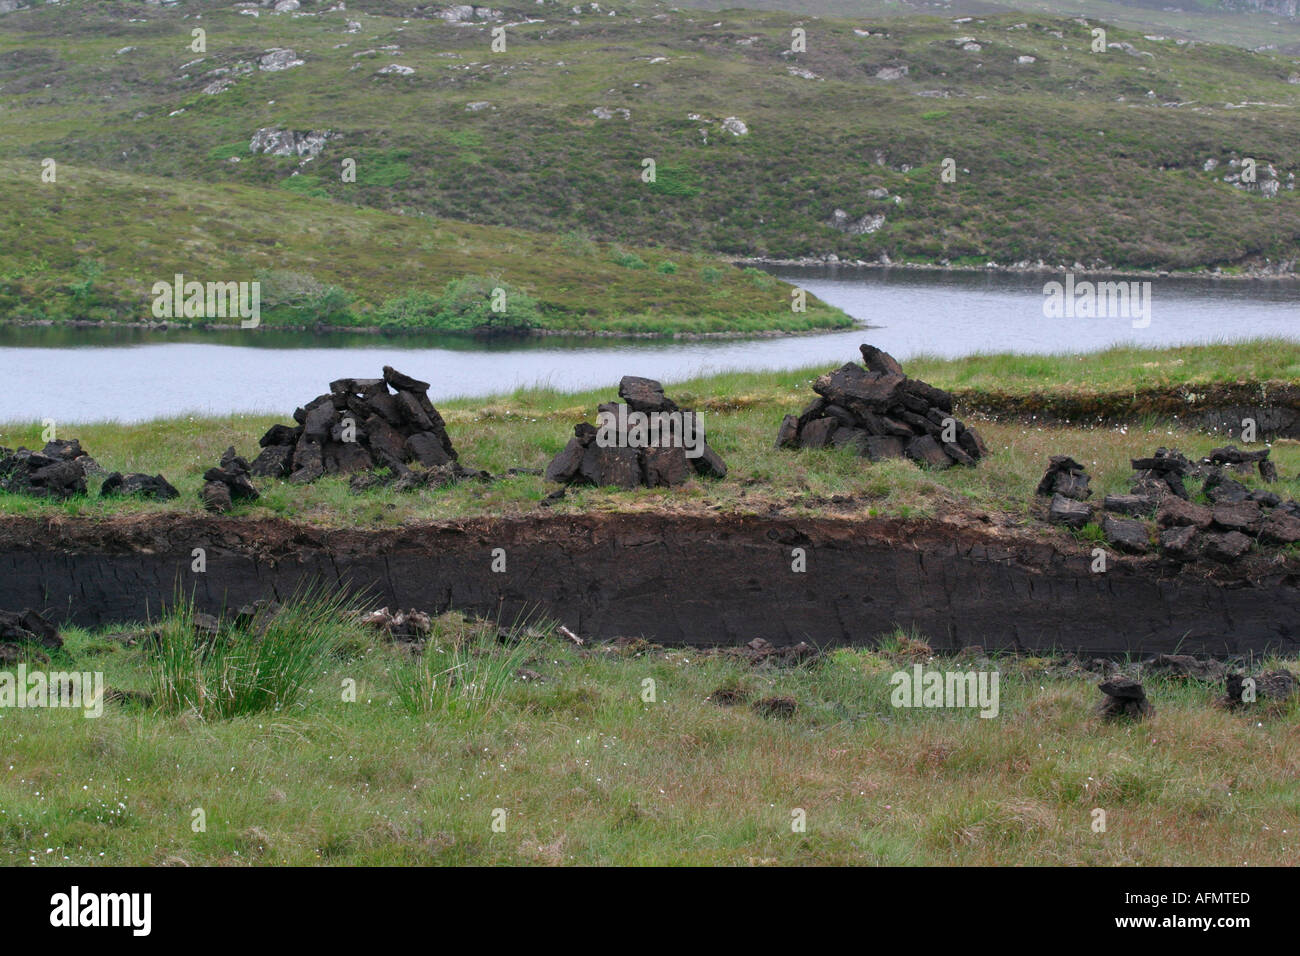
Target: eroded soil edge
673,579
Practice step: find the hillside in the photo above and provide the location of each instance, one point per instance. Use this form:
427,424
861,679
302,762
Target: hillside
1254,24
1060,154
93,245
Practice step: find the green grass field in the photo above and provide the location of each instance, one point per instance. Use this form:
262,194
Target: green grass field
620,754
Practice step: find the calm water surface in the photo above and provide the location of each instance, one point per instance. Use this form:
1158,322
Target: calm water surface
135,375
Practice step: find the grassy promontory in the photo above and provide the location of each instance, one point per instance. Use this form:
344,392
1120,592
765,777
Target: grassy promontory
741,412
322,263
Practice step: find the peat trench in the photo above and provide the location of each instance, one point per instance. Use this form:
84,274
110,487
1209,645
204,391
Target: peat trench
1274,407
674,579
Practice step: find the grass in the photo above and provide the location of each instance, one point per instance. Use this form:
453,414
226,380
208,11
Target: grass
618,755
741,412
247,668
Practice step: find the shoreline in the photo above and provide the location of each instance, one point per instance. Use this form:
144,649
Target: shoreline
375,330
1037,268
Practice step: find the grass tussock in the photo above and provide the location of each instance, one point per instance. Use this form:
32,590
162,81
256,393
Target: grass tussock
260,667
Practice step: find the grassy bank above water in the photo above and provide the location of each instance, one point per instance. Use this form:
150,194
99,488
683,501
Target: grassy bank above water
741,412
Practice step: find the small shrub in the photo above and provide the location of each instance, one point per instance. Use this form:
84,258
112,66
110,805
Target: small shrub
628,260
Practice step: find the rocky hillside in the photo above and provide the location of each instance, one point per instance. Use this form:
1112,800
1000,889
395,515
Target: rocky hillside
1003,139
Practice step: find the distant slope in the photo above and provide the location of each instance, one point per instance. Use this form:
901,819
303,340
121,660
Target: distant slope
1253,24
92,246
1061,155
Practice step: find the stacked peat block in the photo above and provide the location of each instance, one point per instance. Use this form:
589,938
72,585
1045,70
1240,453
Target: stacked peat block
1066,483
136,485
1240,461
1161,474
1224,531
25,634
228,483
1124,698
360,425
58,470
1236,517
1270,686
881,413
626,462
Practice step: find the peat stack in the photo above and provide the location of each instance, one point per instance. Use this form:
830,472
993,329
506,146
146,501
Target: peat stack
1065,477
1161,474
362,424
1240,461
227,483
881,413
58,470
1123,697
648,441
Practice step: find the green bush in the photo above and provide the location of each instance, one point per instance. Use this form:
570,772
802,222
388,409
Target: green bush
667,268
465,305
628,260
